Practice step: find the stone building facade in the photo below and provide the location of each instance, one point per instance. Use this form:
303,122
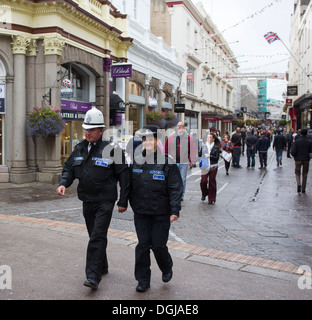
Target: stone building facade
43,43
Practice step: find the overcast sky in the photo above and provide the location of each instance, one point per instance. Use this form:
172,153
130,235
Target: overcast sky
250,34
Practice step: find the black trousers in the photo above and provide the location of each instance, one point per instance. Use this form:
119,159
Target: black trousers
97,217
263,157
153,233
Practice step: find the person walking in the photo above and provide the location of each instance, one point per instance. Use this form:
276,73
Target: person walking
98,165
208,184
182,148
227,149
263,144
237,142
155,198
302,153
289,140
251,145
279,145
244,135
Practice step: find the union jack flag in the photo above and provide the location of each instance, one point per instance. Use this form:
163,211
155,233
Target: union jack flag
271,37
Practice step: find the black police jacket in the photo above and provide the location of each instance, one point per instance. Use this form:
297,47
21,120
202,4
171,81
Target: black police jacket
156,185
98,172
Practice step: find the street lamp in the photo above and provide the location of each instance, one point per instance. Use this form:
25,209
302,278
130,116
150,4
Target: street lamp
208,79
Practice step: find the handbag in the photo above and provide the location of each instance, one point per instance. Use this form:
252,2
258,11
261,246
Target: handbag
227,156
204,163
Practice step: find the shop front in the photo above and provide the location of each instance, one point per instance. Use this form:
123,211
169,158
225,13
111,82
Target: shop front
302,112
73,112
137,104
77,95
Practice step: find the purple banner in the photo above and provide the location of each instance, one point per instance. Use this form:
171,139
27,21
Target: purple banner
71,105
121,71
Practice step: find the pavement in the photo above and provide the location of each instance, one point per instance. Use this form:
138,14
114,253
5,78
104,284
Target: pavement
254,244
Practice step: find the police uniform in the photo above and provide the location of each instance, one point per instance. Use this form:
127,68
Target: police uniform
156,191
98,172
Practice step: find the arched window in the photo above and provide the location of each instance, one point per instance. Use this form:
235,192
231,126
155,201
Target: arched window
135,89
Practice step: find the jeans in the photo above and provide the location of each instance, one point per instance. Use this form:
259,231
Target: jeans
279,156
183,171
263,157
236,157
251,156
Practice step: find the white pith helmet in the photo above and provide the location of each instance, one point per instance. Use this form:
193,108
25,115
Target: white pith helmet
93,119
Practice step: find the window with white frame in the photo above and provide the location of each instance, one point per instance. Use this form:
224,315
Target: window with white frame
190,79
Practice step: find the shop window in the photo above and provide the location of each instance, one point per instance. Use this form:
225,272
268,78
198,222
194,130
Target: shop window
72,134
78,86
135,89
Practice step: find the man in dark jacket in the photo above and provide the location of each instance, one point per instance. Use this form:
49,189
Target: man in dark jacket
279,145
302,152
155,198
98,165
263,144
251,143
237,142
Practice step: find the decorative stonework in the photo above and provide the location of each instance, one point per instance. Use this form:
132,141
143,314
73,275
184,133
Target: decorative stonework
32,48
53,45
20,44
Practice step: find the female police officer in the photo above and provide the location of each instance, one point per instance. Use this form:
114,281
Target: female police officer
155,197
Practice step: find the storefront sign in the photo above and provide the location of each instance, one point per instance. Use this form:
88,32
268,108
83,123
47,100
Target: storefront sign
179,108
292,90
227,121
71,105
289,102
118,118
210,119
121,71
72,116
2,105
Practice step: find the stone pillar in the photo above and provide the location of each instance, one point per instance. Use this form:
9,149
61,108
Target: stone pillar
107,62
147,92
128,128
52,169
20,172
31,100
160,95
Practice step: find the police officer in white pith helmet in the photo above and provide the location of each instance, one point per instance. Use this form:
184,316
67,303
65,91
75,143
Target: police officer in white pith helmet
93,163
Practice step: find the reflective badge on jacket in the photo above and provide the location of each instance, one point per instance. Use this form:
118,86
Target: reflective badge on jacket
158,175
78,158
137,170
102,162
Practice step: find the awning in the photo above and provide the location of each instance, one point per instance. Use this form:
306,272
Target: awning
116,103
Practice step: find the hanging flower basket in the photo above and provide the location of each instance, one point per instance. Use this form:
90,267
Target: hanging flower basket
161,119
44,122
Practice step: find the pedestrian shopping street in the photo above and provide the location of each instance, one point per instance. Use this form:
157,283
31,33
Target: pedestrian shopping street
257,213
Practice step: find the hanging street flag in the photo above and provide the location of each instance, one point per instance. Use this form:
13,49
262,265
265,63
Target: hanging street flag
271,37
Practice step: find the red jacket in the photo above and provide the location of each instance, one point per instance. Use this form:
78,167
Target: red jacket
181,148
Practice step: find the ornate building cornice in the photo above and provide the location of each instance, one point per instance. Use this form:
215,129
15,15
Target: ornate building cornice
20,44
53,45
